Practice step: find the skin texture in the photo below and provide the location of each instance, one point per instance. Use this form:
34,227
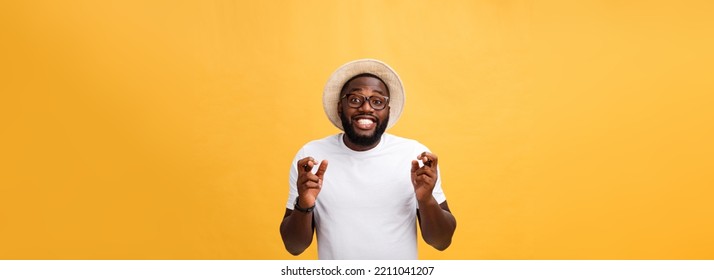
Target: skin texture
436,222
297,228
365,86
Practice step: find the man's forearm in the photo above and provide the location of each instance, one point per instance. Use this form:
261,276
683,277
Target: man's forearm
296,230
437,224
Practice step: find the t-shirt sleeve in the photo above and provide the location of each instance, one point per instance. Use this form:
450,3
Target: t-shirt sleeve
438,193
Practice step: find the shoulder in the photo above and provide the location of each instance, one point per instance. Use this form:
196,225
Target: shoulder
328,143
393,140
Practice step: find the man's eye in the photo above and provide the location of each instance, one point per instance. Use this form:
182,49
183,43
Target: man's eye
377,101
355,100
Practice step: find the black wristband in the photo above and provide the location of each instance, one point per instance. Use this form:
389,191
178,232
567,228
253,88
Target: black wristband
304,210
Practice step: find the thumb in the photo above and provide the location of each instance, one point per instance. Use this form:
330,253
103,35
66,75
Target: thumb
415,166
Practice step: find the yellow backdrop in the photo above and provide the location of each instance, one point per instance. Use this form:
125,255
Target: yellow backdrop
165,129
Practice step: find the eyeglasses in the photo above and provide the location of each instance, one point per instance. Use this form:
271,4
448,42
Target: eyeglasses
377,102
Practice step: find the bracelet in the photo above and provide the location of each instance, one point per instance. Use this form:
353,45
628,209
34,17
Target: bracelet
304,210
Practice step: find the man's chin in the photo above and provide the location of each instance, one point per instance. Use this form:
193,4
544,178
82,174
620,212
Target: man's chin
362,138
363,133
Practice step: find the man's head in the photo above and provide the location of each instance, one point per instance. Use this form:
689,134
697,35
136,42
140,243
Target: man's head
367,76
364,109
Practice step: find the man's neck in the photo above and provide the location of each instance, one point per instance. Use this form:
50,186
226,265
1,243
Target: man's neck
356,147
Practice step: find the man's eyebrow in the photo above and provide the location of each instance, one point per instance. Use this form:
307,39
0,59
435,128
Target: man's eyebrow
360,89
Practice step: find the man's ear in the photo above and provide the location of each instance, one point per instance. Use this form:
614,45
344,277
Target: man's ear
339,107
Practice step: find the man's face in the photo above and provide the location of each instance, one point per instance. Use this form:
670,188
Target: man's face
364,126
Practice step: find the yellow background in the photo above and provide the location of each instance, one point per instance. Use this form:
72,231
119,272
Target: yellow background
165,129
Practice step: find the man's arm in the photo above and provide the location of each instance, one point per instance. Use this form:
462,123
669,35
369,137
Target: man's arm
436,222
296,230
297,227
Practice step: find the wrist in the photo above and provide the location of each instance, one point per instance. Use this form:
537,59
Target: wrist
427,201
299,206
305,201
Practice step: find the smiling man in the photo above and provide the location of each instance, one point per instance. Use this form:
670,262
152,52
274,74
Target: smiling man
368,188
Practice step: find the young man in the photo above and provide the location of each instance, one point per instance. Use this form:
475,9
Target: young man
369,187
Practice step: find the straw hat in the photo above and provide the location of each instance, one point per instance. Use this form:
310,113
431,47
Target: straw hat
331,95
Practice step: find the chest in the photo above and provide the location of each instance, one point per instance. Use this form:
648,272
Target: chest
376,181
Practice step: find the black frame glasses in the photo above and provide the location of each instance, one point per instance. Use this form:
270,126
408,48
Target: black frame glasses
377,102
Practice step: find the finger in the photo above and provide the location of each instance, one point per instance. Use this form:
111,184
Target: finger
321,170
424,171
426,176
428,159
303,165
415,166
307,167
428,181
424,159
434,160
312,185
309,177
301,180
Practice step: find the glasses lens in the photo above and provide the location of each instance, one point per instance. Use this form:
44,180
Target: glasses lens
377,102
355,101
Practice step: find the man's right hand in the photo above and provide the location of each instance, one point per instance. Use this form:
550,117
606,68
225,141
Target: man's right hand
309,184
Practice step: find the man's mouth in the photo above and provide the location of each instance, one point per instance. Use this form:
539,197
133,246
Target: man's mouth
365,123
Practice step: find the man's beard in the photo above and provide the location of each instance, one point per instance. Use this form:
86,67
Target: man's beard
362,140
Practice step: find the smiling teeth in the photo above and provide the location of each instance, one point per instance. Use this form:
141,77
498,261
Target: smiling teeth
365,121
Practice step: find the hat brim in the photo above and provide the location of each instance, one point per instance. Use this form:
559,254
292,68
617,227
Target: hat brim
331,94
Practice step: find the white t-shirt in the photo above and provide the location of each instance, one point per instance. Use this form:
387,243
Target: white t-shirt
367,206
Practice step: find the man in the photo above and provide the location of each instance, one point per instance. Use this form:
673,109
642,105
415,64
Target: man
366,202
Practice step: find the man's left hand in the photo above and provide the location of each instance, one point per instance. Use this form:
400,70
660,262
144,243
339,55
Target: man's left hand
424,178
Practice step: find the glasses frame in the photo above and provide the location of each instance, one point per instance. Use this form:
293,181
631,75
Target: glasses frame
367,99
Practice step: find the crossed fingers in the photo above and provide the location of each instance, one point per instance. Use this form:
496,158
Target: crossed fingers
306,177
